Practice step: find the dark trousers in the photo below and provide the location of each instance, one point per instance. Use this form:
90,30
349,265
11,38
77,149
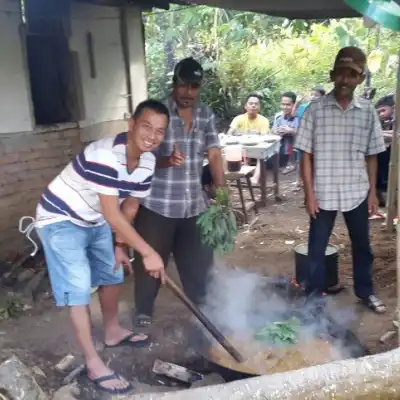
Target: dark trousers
177,236
357,223
383,170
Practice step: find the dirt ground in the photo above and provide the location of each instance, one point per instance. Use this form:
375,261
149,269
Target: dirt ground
43,336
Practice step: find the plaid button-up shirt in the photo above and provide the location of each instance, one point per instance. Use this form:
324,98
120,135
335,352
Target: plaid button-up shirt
339,141
176,192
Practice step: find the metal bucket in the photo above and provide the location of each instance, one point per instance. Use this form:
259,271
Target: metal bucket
331,265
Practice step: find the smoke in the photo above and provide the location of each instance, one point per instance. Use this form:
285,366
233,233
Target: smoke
240,302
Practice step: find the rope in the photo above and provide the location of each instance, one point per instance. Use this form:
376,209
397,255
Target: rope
27,230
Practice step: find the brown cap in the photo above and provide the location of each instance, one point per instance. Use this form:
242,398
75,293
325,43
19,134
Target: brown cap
351,57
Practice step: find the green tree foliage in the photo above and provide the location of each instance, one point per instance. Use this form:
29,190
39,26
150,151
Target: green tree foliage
244,52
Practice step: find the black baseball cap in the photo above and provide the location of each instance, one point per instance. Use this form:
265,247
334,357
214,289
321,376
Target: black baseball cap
351,57
188,70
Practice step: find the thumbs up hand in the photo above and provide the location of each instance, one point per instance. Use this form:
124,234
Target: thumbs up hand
176,158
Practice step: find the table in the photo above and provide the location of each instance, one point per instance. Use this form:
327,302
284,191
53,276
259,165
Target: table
263,152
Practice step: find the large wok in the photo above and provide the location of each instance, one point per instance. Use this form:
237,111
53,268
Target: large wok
284,288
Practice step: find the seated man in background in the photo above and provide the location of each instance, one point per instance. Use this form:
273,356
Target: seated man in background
385,107
251,122
285,125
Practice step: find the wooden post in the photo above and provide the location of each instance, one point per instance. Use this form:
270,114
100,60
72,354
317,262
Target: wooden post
396,132
393,183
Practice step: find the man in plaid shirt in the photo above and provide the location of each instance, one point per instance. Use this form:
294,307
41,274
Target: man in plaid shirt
167,218
340,137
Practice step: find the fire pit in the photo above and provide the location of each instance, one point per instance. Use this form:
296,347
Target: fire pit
320,338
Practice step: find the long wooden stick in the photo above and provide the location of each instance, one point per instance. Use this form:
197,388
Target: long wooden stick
204,320
396,133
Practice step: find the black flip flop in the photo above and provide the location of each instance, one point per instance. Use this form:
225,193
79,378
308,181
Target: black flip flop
98,382
127,341
334,289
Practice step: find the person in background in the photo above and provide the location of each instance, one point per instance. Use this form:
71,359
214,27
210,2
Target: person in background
298,110
167,218
386,110
251,122
285,125
340,137
74,220
302,103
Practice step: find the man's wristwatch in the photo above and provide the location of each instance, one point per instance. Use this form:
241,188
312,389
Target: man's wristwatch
120,245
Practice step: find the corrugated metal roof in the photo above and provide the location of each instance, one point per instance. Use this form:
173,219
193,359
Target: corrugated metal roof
291,9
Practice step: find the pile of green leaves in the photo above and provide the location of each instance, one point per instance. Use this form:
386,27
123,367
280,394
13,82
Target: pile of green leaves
218,224
280,332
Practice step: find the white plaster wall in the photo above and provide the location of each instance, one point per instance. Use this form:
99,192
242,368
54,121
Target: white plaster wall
104,96
15,106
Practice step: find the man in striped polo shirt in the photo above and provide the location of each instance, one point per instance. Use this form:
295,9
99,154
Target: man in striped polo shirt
99,191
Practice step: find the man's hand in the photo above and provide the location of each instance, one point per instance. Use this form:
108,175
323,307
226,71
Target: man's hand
372,204
122,259
283,130
177,158
154,266
312,205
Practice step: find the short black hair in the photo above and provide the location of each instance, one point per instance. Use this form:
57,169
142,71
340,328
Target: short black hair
153,105
257,96
386,101
319,89
291,95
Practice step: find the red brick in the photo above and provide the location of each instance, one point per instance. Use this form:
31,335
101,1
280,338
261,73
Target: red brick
71,133
9,159
44,163
12,168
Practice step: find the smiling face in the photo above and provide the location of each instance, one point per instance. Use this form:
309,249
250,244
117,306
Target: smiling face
345,81
147,130
287,105
252,106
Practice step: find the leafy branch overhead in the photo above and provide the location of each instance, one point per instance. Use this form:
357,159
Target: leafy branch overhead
244,52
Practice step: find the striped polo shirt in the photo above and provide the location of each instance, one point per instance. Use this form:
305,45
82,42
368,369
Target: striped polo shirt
100,169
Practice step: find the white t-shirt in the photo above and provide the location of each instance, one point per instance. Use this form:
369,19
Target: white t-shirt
100,169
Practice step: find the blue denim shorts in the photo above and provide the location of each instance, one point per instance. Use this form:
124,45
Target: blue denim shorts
78,258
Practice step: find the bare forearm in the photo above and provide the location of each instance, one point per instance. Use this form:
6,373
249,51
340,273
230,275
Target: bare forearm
372,169
129,209
217,168
306,170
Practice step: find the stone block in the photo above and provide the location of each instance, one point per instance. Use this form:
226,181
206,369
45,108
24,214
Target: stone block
17,380
208,380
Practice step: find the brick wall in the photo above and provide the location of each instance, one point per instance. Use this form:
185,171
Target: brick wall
28,162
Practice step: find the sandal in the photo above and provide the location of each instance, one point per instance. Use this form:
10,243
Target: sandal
98,382
374,304
127,341
288,169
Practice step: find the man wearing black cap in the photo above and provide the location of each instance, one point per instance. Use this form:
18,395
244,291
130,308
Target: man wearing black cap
167,219
340,137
